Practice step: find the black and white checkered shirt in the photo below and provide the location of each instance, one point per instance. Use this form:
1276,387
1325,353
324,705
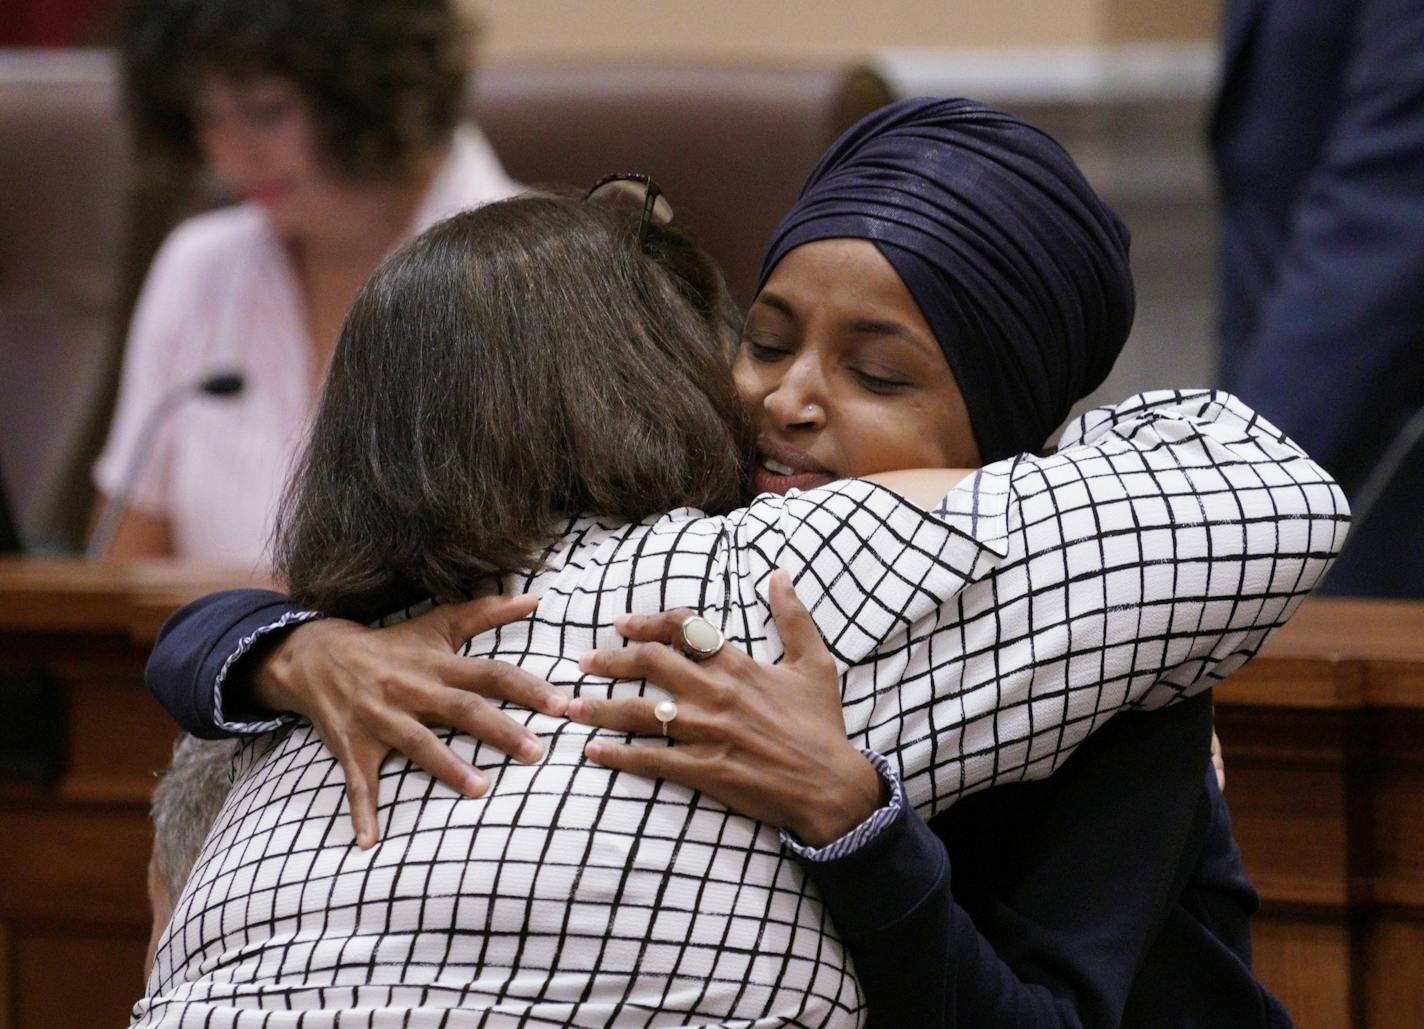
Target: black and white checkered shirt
979,644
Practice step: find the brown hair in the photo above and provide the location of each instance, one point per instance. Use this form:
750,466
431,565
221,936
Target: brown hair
513,366
385,78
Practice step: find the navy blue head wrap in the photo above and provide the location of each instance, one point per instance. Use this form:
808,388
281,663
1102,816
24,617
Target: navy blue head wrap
1020,270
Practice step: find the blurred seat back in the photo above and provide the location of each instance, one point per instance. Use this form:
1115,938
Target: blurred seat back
730,143
64,185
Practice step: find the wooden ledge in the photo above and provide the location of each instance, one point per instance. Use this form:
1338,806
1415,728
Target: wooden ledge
133,599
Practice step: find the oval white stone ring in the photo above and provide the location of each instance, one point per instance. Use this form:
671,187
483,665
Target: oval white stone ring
665,711
700,638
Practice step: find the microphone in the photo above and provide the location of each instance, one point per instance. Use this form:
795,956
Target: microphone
223,384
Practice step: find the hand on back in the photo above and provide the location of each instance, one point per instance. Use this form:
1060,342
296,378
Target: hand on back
769,741
368,692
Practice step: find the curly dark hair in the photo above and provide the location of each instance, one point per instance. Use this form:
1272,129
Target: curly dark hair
512,366
385,78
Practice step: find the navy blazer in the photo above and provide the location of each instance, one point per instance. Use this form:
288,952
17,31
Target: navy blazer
1318,137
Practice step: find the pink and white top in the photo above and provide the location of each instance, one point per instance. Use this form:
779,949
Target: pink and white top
222,295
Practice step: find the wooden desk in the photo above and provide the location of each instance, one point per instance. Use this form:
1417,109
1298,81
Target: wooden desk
1324,738
73,911
1324,742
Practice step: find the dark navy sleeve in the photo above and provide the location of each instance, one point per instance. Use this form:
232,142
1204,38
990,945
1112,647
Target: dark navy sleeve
197,649
1049,895
915,950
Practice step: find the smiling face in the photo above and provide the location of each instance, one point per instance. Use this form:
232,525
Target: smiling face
842,376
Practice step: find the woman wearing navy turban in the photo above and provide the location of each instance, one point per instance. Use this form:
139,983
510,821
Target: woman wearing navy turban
1019,270
944,290
946,287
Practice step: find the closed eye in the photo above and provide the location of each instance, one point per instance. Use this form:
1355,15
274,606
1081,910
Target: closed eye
764,348
879,384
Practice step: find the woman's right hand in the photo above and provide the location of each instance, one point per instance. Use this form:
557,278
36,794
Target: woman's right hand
767,740
370,691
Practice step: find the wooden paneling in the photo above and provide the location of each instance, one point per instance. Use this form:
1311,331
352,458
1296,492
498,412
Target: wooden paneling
7,978
71,980
74,916
1306,962
79,866
1324,743
1393,984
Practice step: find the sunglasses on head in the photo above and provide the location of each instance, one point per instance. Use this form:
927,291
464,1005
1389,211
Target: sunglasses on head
635,186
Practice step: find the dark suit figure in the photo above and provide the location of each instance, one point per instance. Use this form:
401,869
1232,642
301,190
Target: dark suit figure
1318,136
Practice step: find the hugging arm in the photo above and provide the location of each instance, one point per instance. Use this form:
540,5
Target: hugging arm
1052,900
1147,559
244,661
981,643
208,643
1064,882
1158,549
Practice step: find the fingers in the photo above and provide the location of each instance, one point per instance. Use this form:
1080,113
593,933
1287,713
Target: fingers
798,630
426,749
663,627
363,772
482,720
650,762
361,764
457,623
624,714
499,680
655,662
799,634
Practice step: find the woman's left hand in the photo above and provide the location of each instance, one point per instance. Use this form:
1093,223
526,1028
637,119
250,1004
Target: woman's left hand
768,741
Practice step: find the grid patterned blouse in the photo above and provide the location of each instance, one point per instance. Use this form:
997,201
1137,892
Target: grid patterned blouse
978,644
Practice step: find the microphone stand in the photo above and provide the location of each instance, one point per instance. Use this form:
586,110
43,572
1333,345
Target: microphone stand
225,384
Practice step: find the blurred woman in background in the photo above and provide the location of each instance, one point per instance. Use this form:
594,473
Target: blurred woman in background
335,126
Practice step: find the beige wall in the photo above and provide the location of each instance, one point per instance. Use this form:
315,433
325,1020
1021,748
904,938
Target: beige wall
804,28
1152,20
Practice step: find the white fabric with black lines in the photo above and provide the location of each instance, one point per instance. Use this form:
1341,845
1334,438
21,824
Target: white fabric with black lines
1144,561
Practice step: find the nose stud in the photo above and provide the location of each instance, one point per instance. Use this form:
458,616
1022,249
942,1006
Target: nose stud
778,407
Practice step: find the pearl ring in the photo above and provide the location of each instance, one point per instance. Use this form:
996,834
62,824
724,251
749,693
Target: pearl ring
665,711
